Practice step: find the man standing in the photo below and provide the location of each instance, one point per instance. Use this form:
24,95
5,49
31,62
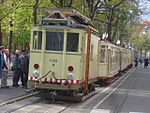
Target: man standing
4,64
24,63
136,62
0,63
146,63
16,69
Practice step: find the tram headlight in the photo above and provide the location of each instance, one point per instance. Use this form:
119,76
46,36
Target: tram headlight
70,76
36,73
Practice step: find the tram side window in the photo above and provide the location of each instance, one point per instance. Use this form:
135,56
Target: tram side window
54,41
72,42
37,40
102,56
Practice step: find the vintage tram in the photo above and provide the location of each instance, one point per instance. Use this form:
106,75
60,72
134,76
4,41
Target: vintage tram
67,56
113,60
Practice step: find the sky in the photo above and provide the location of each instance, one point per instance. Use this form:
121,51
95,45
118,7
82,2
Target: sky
145,6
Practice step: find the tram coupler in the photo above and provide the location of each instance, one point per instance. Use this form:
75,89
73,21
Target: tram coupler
30,90
53,95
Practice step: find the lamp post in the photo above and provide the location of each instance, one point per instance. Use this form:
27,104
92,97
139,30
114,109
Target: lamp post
0,33
10,34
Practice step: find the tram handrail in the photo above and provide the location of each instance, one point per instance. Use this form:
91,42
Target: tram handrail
44,75
47,74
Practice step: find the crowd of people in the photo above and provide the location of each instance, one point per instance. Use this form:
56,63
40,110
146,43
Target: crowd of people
18,63
137,61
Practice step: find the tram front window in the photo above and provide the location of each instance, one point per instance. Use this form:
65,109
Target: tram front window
54,41
37,40
72,42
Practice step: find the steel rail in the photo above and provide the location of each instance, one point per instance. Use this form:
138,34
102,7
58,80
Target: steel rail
18,98
119,107
96,106
101,91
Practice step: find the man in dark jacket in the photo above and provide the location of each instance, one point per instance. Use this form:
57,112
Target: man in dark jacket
16,68
0,63
146,63
136,62
24,62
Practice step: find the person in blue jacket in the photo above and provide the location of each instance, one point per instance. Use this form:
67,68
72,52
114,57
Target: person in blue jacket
0,63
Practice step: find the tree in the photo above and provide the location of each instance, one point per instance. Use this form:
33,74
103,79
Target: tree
35,8
7,8
92,6
140,38
20,14
62,3
111,16
115,15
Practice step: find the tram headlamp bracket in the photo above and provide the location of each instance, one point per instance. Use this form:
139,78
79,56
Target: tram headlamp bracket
36,73
70,76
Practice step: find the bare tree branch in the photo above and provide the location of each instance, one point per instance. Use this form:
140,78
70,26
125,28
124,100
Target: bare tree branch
55,3
119,3
14,4
69,3
61,3
40,2
95,9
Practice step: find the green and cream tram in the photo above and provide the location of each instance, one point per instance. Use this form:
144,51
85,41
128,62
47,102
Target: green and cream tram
67,56
58,56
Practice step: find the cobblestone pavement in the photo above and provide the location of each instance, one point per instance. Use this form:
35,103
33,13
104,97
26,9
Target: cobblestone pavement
12,92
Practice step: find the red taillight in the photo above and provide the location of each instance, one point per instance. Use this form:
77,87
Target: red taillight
70,68
36,66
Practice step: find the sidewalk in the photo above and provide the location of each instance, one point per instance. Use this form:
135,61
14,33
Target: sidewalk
138,96
12,92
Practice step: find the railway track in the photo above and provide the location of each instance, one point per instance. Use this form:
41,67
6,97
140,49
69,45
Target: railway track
32,104
122,102
18,99
29,103
92,105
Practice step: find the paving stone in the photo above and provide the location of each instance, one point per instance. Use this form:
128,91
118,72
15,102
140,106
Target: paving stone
12,92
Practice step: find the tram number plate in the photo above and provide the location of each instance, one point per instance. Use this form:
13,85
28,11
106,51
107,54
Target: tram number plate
53,60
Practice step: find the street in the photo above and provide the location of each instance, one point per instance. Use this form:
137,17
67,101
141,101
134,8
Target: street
128,94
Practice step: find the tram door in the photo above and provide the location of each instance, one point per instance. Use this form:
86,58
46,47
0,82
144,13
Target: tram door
120,60
109,61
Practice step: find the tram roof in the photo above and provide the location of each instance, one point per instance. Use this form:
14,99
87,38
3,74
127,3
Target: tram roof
106,42
64,16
